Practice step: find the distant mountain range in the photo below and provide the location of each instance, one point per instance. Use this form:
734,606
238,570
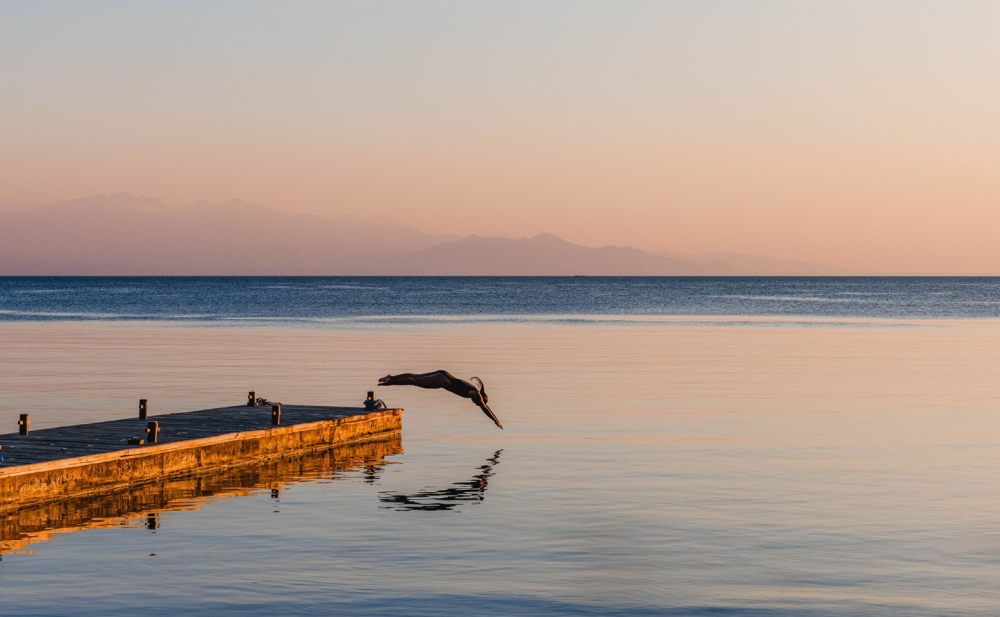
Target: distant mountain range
126,235
545,254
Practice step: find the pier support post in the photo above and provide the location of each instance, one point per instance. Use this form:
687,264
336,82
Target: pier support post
152,432
276,414
143,408
23,424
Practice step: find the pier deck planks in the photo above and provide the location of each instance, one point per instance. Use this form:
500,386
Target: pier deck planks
58,462
53,444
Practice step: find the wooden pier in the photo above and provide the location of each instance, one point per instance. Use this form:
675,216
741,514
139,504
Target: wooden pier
142,505
92,459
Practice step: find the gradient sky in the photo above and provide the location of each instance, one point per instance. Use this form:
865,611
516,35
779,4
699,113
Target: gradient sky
861,134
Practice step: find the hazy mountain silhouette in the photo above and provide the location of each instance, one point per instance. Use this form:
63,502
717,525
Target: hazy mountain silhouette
122,234
544,254
127,235
761,265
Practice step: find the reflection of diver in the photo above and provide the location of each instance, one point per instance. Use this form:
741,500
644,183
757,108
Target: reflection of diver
458,493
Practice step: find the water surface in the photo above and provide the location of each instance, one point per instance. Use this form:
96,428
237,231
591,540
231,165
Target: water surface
758,464
378,301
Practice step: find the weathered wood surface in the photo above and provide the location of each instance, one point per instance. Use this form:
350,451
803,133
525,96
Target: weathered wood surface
40,522
91,458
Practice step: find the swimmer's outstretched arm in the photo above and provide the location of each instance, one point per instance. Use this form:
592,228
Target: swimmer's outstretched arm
478,400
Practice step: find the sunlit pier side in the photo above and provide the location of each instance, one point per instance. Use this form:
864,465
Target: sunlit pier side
142,505
90,459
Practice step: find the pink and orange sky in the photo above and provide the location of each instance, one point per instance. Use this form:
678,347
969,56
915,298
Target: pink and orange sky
864,135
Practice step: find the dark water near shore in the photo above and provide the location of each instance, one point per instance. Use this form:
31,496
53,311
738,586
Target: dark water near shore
673,447
388,299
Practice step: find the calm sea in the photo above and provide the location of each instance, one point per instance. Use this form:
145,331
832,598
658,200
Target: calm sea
673,446
393,299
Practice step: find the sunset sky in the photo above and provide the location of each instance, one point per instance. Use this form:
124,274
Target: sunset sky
854,133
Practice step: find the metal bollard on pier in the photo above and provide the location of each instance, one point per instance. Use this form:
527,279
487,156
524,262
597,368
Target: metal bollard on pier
152,433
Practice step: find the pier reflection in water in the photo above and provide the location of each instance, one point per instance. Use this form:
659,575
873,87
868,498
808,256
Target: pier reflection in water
141,506
459,493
